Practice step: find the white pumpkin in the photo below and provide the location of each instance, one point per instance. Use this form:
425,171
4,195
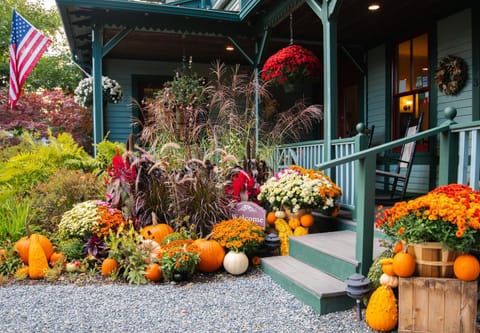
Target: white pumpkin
389,280
235,263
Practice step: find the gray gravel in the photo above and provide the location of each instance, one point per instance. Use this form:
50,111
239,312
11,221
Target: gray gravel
248,303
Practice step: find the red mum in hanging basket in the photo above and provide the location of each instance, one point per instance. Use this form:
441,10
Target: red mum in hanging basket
290,64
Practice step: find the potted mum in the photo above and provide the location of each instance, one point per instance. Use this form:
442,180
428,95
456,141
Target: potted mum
445,220
112,91
297,188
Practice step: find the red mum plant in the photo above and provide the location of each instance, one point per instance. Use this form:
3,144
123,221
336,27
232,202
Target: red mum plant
290,64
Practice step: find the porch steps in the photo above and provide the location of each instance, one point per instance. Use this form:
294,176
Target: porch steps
316,268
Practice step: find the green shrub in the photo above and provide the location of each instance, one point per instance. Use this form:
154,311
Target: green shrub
64,189
40,160
72,248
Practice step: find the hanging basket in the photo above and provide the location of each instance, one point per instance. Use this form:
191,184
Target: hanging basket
291,64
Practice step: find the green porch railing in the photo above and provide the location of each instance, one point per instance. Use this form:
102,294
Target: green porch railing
459,162
365,178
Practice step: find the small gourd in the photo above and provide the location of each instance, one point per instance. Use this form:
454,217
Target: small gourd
294,222
284,232
38,262
300,231
152,248
382,312
235,263
389,280
280,214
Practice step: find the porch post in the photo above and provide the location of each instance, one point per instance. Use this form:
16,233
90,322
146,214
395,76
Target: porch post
327,11
364,203
448,151
97,107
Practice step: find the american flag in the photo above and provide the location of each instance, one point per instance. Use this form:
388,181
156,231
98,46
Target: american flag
27,45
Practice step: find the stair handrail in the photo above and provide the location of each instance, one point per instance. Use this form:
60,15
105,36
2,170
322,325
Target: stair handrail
365,176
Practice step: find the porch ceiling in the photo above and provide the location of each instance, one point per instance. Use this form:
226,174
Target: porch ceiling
165,33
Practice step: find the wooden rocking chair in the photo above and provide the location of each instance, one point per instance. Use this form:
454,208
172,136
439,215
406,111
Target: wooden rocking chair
403,169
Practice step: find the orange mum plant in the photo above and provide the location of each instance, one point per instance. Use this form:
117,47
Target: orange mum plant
239,234
448,214
179,257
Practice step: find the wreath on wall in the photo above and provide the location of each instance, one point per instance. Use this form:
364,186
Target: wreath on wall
451,75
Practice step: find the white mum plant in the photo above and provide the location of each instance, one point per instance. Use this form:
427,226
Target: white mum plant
112,91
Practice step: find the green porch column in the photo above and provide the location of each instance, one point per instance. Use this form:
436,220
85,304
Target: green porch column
448,151
327,11
364,214
97,53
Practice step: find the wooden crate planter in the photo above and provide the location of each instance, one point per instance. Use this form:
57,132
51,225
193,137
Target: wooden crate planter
437,305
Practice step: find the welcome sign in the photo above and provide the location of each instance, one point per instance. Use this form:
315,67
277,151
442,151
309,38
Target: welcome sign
250,211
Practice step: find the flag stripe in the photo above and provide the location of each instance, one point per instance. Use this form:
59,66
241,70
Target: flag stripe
27,46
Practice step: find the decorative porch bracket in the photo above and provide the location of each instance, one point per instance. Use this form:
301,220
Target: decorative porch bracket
327,11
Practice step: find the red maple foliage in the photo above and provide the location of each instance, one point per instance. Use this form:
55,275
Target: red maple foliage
47,110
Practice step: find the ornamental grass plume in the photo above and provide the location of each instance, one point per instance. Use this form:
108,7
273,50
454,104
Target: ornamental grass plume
239,234
448,214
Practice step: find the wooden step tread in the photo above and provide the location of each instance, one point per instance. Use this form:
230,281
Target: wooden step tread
338,244
308,277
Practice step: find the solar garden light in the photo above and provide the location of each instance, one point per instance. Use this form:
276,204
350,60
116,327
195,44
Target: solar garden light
357,287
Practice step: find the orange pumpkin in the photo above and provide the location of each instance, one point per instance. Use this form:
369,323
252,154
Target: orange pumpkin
156,232
271,218
256,260
109,266
388,269
56,257
403,264
153,272
23,244
466,267
211,255
306,220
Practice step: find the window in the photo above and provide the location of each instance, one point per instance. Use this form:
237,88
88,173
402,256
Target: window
411,86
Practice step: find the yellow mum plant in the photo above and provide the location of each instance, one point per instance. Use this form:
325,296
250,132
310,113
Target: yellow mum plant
449,214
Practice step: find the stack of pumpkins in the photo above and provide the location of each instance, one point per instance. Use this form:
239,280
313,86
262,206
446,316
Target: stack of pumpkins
382,312
294,225
37,253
